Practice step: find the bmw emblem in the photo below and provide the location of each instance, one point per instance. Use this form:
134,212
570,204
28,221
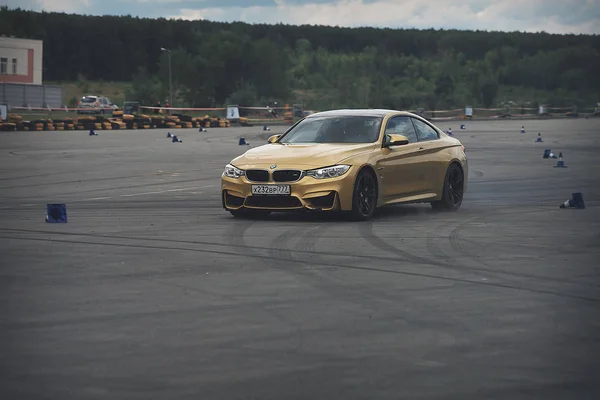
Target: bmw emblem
273,166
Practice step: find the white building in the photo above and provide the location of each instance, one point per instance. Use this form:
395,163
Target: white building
20,60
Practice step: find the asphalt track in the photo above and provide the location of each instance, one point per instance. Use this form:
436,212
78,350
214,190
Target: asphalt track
152,291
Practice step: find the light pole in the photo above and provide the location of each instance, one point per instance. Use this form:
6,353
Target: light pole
170,85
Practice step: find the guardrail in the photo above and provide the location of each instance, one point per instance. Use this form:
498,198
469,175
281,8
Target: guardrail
284,115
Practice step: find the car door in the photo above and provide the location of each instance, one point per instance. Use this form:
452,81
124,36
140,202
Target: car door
401,167
103,103
110,104
428,138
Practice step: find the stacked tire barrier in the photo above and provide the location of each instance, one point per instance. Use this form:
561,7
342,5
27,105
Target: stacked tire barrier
118,120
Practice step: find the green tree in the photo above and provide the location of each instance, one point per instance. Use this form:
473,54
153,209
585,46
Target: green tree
245,94
444,86
488,91
146,89
327,67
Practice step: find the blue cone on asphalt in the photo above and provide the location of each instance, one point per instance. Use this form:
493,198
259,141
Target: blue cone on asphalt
463,127
56,213
560,163
549,154
576,201
202,130
266,128
539,138
169,135
93,133
522,129
449,131
243,142
176,139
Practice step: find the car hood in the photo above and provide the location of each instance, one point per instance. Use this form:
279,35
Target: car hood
304,156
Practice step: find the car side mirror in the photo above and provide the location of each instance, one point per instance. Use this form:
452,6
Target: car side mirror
396,140
273,138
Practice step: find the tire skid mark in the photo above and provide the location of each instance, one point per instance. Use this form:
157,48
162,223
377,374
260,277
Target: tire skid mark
432,241
366,232
311,271
120,187
433,246
278,247
489,271
277,253
237,232
456,242
152,277
30,176
87,180
321,263
306,244
243,249
408,314
308,268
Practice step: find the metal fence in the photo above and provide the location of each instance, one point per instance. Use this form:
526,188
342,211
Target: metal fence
35,96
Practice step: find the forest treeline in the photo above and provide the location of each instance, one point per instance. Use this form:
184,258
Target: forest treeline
216,63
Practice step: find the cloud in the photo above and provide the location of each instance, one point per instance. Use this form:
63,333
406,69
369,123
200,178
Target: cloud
70,6
554,16
560,16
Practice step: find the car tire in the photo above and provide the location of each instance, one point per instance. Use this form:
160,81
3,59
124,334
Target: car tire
364,196
453,190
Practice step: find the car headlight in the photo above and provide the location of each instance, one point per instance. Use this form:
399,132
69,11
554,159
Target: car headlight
233,172
328,172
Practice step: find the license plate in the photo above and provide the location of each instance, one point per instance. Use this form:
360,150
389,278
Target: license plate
271,189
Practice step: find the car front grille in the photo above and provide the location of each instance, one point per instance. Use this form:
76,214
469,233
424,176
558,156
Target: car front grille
257,175
287,175
273,202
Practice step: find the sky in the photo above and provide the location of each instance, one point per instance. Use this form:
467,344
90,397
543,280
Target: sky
552,16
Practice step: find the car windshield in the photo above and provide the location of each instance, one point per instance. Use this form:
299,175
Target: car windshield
88,99
338,129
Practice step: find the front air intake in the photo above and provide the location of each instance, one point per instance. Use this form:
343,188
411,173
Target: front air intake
273,202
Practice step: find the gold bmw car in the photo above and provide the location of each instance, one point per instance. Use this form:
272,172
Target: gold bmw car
348,160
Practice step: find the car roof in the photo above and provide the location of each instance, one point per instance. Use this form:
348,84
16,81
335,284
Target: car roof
366,112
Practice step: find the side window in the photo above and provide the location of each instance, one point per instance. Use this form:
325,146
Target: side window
401,126
424,131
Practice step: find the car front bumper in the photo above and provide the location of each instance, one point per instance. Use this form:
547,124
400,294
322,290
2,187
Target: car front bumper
307,193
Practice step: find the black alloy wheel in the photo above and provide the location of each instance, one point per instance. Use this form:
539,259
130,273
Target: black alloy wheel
364,198
452,194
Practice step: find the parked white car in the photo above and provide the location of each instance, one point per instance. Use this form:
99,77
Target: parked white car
91,104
